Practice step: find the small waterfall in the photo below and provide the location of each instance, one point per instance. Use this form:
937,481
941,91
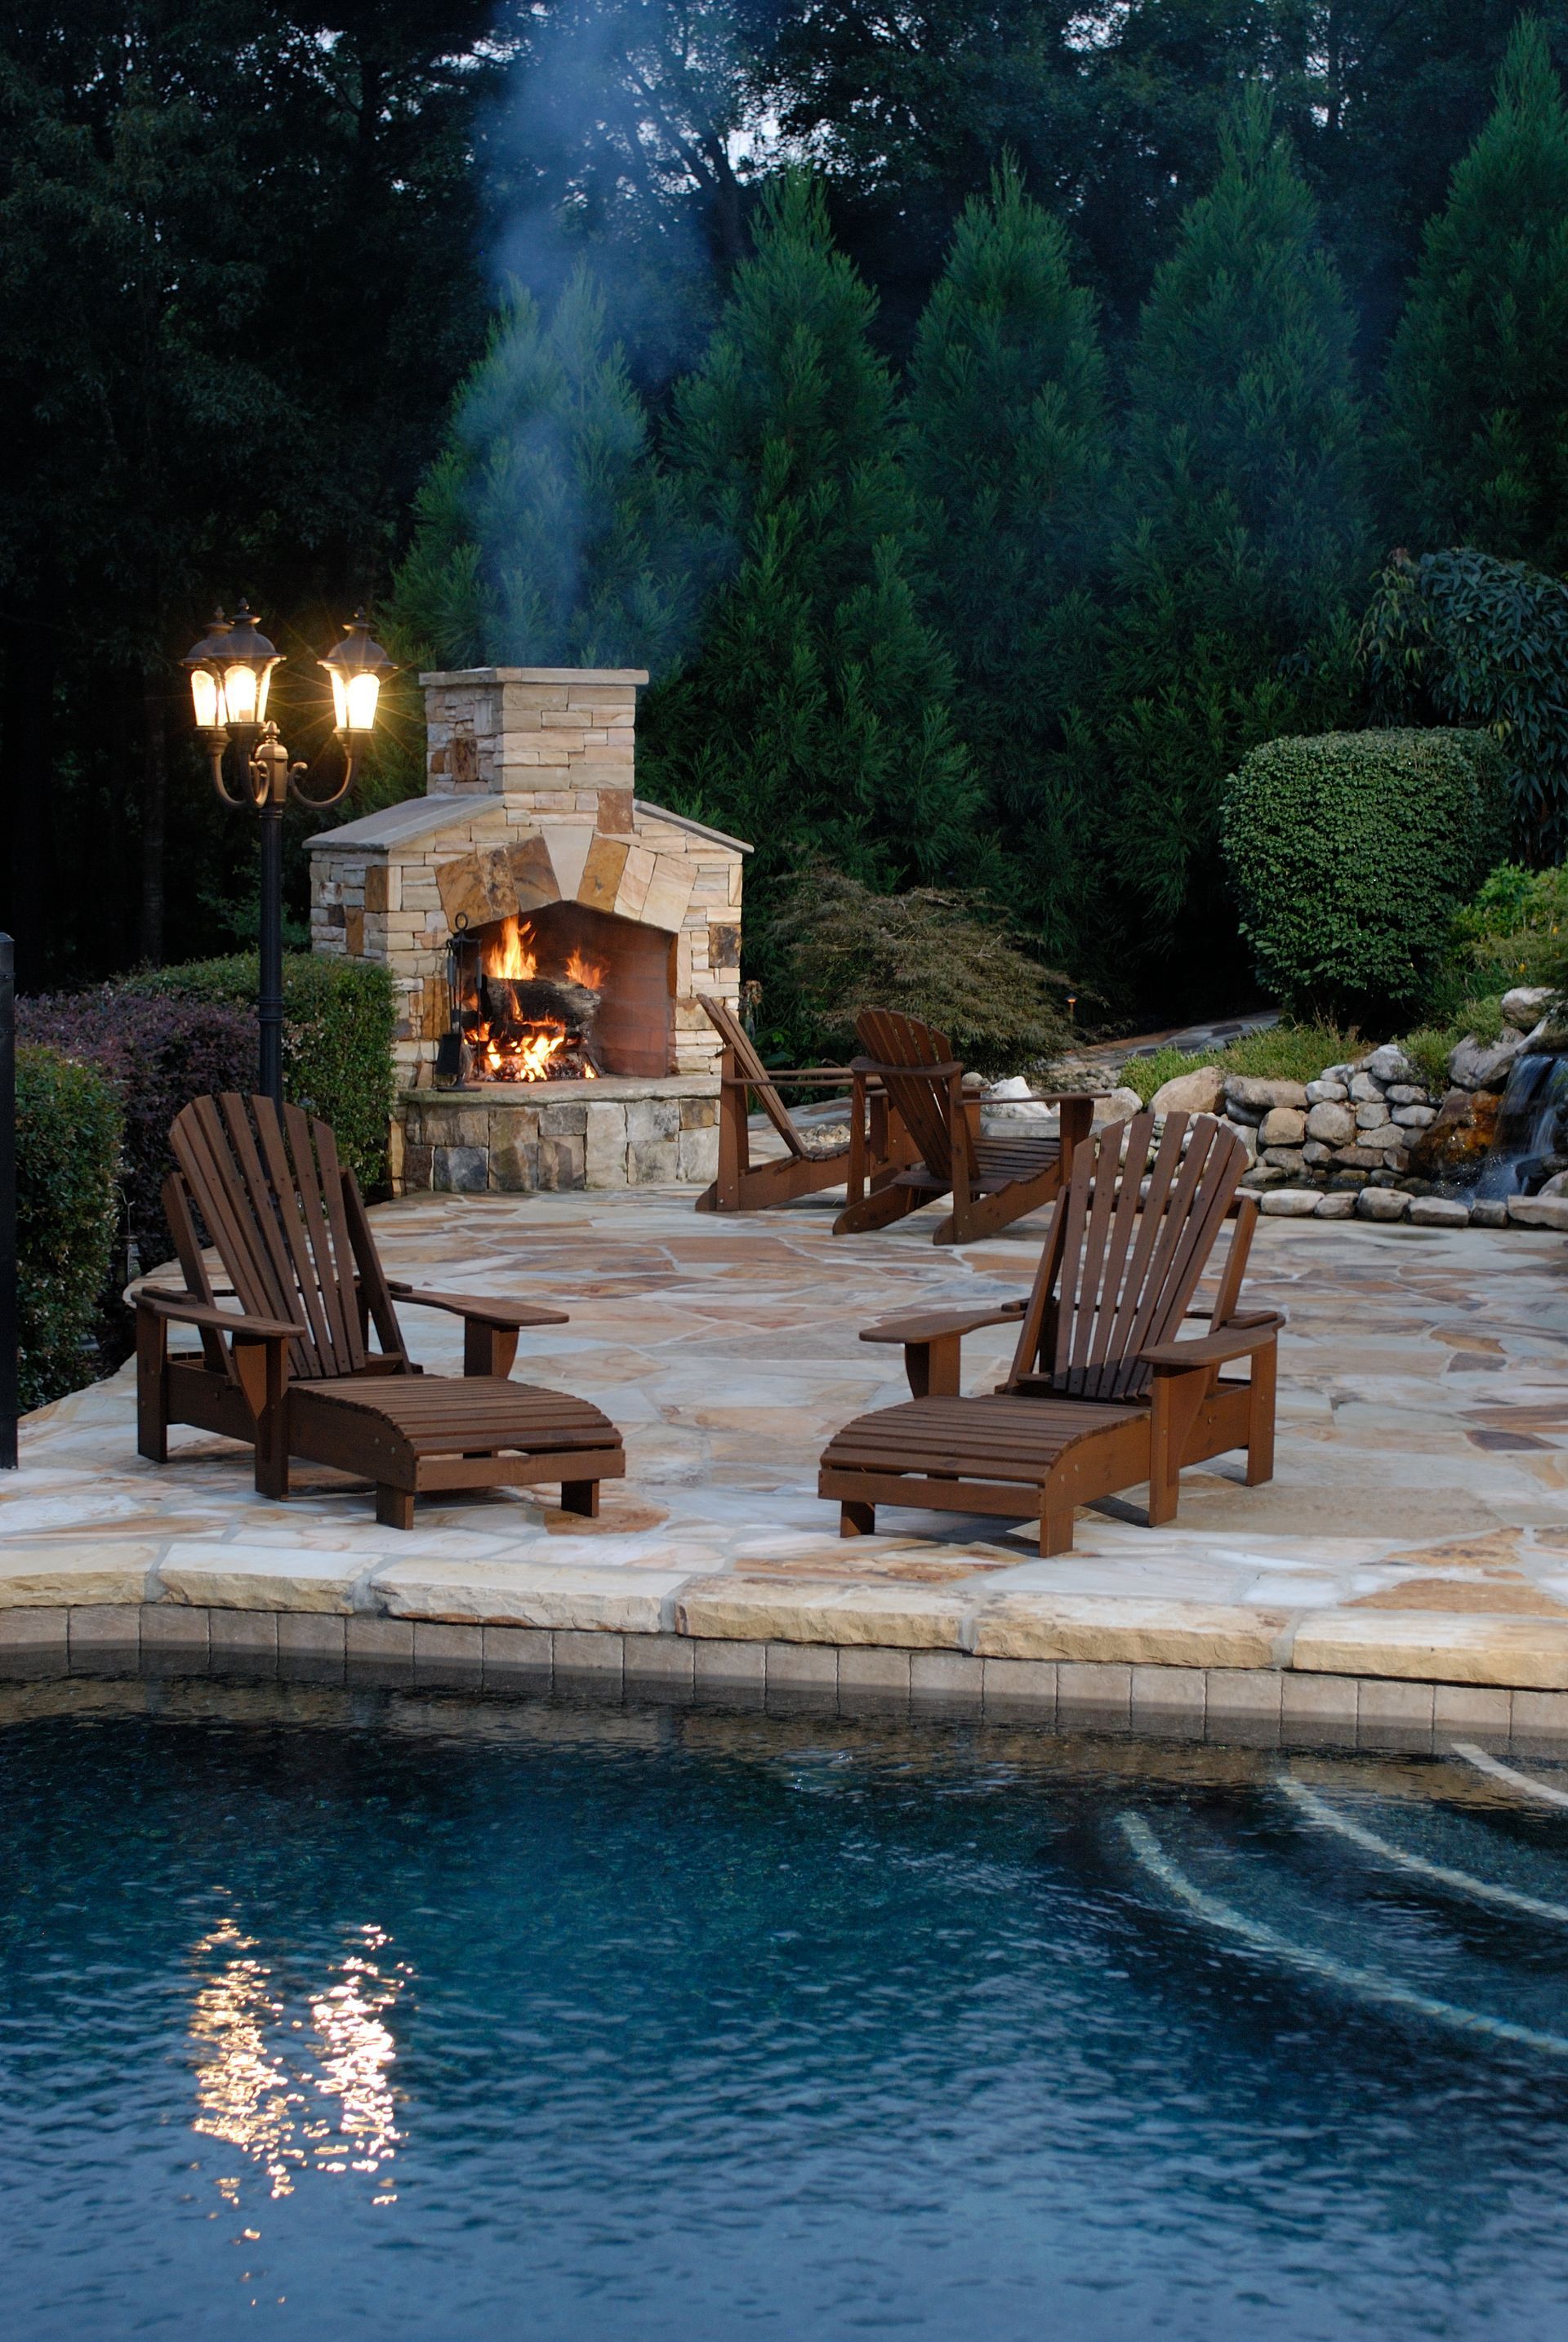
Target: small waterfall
1531,1124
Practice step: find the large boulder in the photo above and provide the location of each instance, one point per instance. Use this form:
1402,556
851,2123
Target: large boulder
1526,1005
1249,1097
1485,1065
1388,1064
1199,1092
1283,1125
1331,1124
1118,1106
1454,1142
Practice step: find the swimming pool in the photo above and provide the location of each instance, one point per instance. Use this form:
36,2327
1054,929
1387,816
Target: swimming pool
331,2014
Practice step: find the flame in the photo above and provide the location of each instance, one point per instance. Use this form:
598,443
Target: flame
528,1057
588,972
512,954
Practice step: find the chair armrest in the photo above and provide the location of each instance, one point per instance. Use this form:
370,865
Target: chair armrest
943,1072
1233,1341
936,1324
186,1310
511,1315
1239,1318
1047,1097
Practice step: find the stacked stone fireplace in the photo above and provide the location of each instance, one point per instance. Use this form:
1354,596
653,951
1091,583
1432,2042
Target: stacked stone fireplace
550,936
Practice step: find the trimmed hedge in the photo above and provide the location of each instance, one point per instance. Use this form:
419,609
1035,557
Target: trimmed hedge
159,1054
339,1016
1349,852
67,1158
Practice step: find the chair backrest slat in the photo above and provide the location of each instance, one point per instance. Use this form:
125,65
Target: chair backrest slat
749,1068
902,1046
277,1200
262,1284
270,1191
1121,1274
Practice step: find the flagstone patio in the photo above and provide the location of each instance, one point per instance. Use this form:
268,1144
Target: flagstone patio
1416,1537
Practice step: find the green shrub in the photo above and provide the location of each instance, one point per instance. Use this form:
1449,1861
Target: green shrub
1285,1052
1516,929
67,1161
1349,852
951,959
338,1020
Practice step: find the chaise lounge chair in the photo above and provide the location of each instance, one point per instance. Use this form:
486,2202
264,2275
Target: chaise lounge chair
1099,1397
993,1181
292,1372
876,1148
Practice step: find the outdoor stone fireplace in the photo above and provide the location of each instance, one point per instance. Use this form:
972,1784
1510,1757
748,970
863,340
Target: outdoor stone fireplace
550,936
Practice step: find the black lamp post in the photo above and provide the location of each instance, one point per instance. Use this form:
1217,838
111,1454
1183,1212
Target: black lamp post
231,670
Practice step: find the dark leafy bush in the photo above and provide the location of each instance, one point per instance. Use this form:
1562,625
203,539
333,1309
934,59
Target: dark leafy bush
1349,852
68,1156
951,959
1468,639
338,1021
159,1054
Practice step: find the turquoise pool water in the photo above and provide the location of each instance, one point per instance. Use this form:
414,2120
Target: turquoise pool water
410,2017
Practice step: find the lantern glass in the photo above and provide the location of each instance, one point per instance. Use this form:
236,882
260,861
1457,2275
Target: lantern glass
240,695
363,690
205,697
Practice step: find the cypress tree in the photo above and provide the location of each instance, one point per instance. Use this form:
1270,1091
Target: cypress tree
1007,456
1474,450
546,532
1241,530
816,719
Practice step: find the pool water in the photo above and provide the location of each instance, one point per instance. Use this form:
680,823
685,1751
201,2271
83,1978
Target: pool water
401,2016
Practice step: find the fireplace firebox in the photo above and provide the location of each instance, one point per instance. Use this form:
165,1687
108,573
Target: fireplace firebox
563,993
550,937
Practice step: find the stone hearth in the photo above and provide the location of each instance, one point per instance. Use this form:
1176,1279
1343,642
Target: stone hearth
531,829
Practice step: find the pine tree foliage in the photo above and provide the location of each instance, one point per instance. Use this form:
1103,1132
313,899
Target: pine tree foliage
816,718
1007,455
1242,533
1475,449
548,534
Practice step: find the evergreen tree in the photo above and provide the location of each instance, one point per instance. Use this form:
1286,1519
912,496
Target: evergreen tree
1242,531
1007,456
815,719
546,534
1475,447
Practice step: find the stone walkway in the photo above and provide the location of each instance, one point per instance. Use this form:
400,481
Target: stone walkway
1416,1532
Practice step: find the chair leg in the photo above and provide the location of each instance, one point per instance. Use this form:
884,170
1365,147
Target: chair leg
152,1387
1055,1528
1261,1415
393,1506
581,1497
855,1518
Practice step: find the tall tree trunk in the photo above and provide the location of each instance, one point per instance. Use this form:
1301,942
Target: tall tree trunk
155,806
26,743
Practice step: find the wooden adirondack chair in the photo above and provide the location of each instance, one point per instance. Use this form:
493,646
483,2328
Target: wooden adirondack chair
876,1148
1101,1396
293,1371
993,1181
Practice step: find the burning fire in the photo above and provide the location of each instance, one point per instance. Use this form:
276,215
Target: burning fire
543,1048
585,971
512,953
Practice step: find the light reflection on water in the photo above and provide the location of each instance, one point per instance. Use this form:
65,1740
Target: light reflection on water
292,2099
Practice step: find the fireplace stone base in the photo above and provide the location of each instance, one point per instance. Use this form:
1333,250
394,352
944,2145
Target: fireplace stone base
624,1131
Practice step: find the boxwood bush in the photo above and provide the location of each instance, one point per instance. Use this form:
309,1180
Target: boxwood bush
67,1163
338,1021
1350,852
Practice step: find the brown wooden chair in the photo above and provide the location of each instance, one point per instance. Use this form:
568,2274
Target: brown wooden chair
293,1371
993,1181
1101,1396
876,1146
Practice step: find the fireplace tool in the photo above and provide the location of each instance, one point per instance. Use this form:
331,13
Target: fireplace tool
454,1051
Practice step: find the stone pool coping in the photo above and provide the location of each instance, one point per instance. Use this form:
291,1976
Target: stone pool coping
1218,1706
